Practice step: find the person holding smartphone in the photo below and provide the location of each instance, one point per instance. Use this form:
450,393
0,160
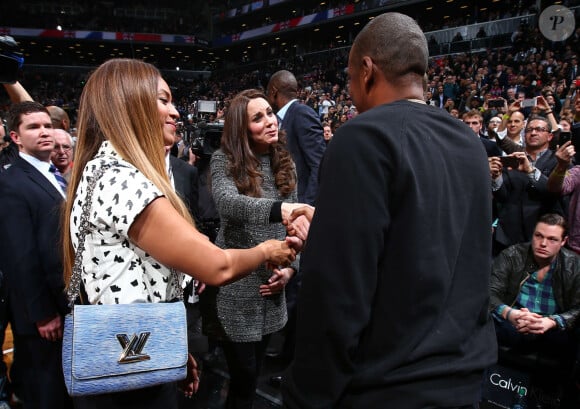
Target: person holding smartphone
514,122
566,181
521,191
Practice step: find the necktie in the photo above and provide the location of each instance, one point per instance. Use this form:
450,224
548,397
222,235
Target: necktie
59,178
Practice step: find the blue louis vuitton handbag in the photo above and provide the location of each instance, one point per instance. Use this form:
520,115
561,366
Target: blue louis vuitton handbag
120,347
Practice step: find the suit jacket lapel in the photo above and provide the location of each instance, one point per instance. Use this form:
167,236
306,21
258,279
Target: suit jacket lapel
33,174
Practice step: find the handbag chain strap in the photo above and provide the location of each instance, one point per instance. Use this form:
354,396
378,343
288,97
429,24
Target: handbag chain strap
74,287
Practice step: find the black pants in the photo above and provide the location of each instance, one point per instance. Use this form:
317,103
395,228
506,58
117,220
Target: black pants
197,343
36,373
560,345
244,362
156,397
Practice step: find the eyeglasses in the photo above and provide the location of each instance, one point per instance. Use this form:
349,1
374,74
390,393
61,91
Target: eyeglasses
535,128
65,148
495,122
472,123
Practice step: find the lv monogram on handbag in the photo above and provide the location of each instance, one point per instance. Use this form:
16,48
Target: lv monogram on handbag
120,347
112,348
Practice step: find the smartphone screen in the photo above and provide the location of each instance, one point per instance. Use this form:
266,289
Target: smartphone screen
509,162
527,103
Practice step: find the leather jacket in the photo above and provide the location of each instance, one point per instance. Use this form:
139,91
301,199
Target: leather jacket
513,266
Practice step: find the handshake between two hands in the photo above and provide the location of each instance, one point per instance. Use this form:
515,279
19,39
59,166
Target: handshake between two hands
297,218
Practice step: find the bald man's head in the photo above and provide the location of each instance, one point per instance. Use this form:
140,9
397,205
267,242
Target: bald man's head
59,117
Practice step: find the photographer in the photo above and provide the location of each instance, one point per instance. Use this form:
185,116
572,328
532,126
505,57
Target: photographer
514,122
11,60
521,191
204,140
10,63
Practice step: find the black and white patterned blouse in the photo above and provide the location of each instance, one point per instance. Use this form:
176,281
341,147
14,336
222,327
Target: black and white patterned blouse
116,271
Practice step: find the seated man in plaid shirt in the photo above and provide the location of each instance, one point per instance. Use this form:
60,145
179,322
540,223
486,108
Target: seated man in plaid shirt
535,292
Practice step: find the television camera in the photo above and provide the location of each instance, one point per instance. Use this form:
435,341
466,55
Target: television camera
11,60
205,137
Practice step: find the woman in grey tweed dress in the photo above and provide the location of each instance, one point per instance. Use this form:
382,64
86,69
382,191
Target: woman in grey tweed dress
253,182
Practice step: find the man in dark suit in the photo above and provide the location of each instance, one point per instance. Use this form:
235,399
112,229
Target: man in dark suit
305,141
474,120
185,181
439,97
303,129
522,193
30,257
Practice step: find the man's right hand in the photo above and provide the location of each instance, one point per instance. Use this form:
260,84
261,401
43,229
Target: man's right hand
51,328
495,166
565,153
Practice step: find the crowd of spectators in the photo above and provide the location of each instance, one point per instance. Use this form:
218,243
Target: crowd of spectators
532,65
460,83
142,16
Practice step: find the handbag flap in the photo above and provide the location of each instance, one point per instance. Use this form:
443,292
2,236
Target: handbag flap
117,339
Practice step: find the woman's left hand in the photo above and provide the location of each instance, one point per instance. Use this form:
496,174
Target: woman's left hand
190,384
277,281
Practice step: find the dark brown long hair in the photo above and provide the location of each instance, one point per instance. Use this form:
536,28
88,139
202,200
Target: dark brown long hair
243,165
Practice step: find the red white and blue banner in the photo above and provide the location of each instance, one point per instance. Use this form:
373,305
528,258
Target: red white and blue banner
103,35
180,39
285,25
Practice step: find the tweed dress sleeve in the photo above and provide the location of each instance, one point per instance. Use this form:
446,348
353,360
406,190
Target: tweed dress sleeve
229,202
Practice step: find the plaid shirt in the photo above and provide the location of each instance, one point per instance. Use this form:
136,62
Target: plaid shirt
538,296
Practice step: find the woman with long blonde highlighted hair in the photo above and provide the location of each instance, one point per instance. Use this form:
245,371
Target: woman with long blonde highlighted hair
139,230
